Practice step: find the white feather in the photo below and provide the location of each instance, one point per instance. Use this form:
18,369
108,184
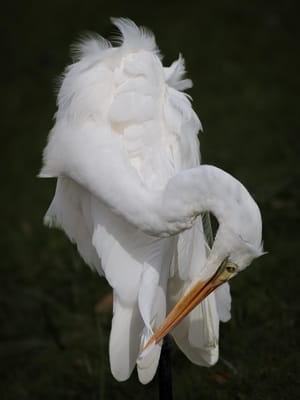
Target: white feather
175,73
123,129
69,210
124,346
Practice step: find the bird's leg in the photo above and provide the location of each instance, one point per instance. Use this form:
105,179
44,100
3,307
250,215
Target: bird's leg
164,371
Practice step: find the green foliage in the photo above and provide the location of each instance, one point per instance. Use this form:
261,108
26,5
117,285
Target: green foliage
242,57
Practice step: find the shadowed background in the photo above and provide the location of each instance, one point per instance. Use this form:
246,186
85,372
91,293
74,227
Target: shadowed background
54,312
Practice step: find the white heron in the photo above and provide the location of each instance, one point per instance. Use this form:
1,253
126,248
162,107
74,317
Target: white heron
130,193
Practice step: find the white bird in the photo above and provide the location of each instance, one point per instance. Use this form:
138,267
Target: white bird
130,193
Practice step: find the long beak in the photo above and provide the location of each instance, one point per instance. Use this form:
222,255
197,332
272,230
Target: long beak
189,301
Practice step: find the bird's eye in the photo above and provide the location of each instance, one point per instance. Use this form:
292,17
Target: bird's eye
231,269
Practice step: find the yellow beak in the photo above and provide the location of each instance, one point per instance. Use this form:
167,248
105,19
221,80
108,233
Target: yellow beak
189,301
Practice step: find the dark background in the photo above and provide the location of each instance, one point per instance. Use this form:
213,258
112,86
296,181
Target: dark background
243,57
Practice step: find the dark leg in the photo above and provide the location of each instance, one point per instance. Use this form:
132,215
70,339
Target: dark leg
164,371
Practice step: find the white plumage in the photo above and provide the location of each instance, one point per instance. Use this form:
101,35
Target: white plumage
123,130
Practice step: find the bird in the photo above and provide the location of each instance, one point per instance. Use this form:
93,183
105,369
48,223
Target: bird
132,195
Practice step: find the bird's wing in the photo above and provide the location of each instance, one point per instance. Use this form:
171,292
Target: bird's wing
69,210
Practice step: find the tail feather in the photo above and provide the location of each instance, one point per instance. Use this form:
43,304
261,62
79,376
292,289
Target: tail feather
123,345
148,360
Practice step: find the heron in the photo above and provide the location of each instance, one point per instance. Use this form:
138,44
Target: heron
132,195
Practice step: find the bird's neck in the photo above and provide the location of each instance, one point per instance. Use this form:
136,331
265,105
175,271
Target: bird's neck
207,188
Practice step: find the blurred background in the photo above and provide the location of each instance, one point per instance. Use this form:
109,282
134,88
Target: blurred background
243,57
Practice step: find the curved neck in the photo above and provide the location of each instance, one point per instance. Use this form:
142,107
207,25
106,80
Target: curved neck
207,188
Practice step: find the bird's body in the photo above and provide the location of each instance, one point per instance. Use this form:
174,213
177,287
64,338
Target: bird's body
124,135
